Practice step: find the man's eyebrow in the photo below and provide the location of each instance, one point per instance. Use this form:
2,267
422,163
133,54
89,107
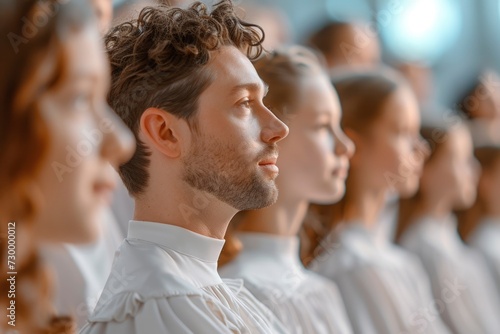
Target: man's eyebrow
251,86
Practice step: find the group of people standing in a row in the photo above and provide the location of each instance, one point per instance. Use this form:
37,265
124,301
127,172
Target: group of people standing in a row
264,185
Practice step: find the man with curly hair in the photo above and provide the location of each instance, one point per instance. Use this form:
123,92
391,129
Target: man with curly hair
183,82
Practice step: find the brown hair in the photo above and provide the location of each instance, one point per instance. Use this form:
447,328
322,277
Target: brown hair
32,30
468,220
436,136
283,70
362,98
469,100
159,60
328,38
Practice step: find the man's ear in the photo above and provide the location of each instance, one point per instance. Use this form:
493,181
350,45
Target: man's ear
162,130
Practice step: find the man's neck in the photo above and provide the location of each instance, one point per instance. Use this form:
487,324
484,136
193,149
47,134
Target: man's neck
283,218
188,208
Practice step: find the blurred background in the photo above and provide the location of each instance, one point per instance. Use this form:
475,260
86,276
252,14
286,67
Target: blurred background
447,43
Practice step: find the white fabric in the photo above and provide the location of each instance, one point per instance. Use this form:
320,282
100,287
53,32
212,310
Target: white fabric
164,280
123,206
384,288
486,239
471,304
302,300
385,230
80,271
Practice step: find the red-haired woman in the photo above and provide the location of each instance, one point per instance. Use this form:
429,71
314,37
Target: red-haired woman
57,140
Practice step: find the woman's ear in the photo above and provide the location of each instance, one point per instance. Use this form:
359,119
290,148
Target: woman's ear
161,130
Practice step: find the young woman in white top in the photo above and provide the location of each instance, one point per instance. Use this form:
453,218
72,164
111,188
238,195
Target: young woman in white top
464,292
57,140
313,162
384,288
480,225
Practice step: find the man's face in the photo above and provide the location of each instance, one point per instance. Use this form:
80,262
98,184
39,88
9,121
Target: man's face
233,155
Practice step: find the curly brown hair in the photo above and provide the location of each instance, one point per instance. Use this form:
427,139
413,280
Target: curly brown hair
159,60
31,31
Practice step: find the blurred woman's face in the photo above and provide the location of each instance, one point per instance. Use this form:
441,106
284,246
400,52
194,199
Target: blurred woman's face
453,171
104,13
77,179
391,153
314,158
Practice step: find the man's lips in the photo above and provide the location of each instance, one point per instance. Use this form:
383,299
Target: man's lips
269,161
269,164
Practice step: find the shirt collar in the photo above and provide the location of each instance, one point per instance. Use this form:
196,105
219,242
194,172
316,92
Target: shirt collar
177,239
442,231
284,249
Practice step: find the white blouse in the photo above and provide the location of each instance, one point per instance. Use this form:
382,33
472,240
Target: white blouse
385,230
384,288
459,276
486,239
304,301
80,271
164,280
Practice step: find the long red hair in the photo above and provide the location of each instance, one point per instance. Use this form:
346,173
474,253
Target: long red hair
32,31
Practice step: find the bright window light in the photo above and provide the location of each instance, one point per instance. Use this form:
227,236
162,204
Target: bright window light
421,30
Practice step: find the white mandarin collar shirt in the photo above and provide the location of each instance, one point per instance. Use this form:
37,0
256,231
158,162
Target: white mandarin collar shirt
486,239
302,300
453,266
385,289
164,280
197,254
80,271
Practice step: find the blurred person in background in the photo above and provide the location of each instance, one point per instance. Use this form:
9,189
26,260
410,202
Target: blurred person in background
129,9
273,21
104,13
80,271
385,289
313,164
465,293
479,225
182,80
57,139
421,80
419,77
347,45
480,103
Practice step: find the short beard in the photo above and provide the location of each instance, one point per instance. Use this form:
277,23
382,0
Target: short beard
219,170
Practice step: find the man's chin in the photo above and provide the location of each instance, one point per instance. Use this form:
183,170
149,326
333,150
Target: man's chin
260,201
